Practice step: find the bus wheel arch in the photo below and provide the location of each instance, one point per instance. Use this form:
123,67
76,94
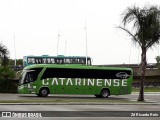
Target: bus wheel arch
105,92
44,91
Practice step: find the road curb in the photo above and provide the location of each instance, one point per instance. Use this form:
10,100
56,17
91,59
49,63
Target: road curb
145,93
147,103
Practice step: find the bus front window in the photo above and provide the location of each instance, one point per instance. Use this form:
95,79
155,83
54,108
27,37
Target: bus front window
22,77
27,77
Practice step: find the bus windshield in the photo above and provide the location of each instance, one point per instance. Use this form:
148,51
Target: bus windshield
28,76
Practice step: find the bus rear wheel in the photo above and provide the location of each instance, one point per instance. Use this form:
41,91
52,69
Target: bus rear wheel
43,92
104,93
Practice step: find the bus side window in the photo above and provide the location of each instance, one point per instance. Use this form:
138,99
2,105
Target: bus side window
36,61
67,61
82,61
33,60
48,60
78,60
71,61
88,62
39,60
29,60
79,73
52,60
44,60
60,61
74,61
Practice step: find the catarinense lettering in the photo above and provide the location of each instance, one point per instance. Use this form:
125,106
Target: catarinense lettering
84,82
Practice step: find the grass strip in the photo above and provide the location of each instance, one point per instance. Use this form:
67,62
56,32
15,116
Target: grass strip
98,101
146,89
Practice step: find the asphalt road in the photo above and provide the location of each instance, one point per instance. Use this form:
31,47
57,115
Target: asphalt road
81,111
152,98
93,112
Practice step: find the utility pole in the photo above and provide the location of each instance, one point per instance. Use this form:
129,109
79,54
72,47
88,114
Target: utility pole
58,42
130,54
85,28
14,38
65,47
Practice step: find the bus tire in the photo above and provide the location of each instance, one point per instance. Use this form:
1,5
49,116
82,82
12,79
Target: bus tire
43,92
105,93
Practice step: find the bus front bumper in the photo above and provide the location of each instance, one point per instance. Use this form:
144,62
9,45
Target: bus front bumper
24,90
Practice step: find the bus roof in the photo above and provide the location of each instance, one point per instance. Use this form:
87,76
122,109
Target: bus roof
74,66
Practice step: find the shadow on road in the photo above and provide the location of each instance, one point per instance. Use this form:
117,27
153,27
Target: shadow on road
88,97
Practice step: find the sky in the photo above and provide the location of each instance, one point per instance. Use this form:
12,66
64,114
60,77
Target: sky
34,27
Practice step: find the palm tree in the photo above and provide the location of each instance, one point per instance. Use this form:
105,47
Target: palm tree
145,32
3,54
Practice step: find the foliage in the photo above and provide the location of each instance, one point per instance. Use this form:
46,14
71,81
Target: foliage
4,55
145,32
146,24
6,75
18,61
158,61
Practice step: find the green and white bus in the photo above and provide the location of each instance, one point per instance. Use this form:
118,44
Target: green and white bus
44,79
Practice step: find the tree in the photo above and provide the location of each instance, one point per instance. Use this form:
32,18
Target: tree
18,61
3,55
6,76
145,32
158,62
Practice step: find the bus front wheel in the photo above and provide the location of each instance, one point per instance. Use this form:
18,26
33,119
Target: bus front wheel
43,92
104,93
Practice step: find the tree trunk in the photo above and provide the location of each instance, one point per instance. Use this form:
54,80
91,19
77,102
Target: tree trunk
143,70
